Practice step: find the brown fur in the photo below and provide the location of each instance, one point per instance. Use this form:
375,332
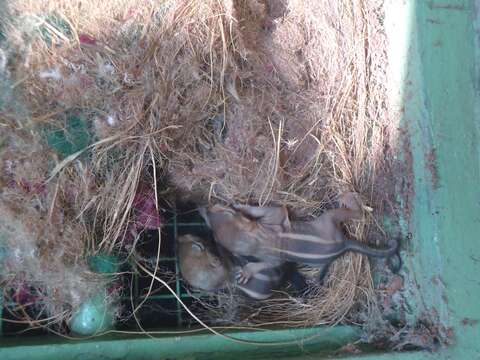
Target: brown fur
203,270
267,234
199,266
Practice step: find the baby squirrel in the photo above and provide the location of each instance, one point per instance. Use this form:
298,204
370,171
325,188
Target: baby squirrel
267,234
203,269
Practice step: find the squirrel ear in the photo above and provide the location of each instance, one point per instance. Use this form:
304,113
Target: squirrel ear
204,214
198,247
286,224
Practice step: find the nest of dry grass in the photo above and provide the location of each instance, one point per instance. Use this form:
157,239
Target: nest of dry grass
44,270
234,101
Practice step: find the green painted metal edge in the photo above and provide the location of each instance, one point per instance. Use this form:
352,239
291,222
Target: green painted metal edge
180,347
408,99
448,65
433,55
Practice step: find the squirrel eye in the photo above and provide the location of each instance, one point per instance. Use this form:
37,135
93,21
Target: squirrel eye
197,247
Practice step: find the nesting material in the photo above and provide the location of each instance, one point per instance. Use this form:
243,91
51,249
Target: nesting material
45,247
258,101
44,239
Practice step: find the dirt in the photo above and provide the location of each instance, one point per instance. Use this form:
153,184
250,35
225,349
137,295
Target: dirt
426,333
404,171
348,349
469,322
395,285
431,166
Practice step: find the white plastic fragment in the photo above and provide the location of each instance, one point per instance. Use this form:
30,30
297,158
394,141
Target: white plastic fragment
111,120
3,61
105,69
53,74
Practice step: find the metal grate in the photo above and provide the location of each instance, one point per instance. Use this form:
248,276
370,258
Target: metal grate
161,308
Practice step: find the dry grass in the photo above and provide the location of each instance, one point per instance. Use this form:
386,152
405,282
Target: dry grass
247,101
